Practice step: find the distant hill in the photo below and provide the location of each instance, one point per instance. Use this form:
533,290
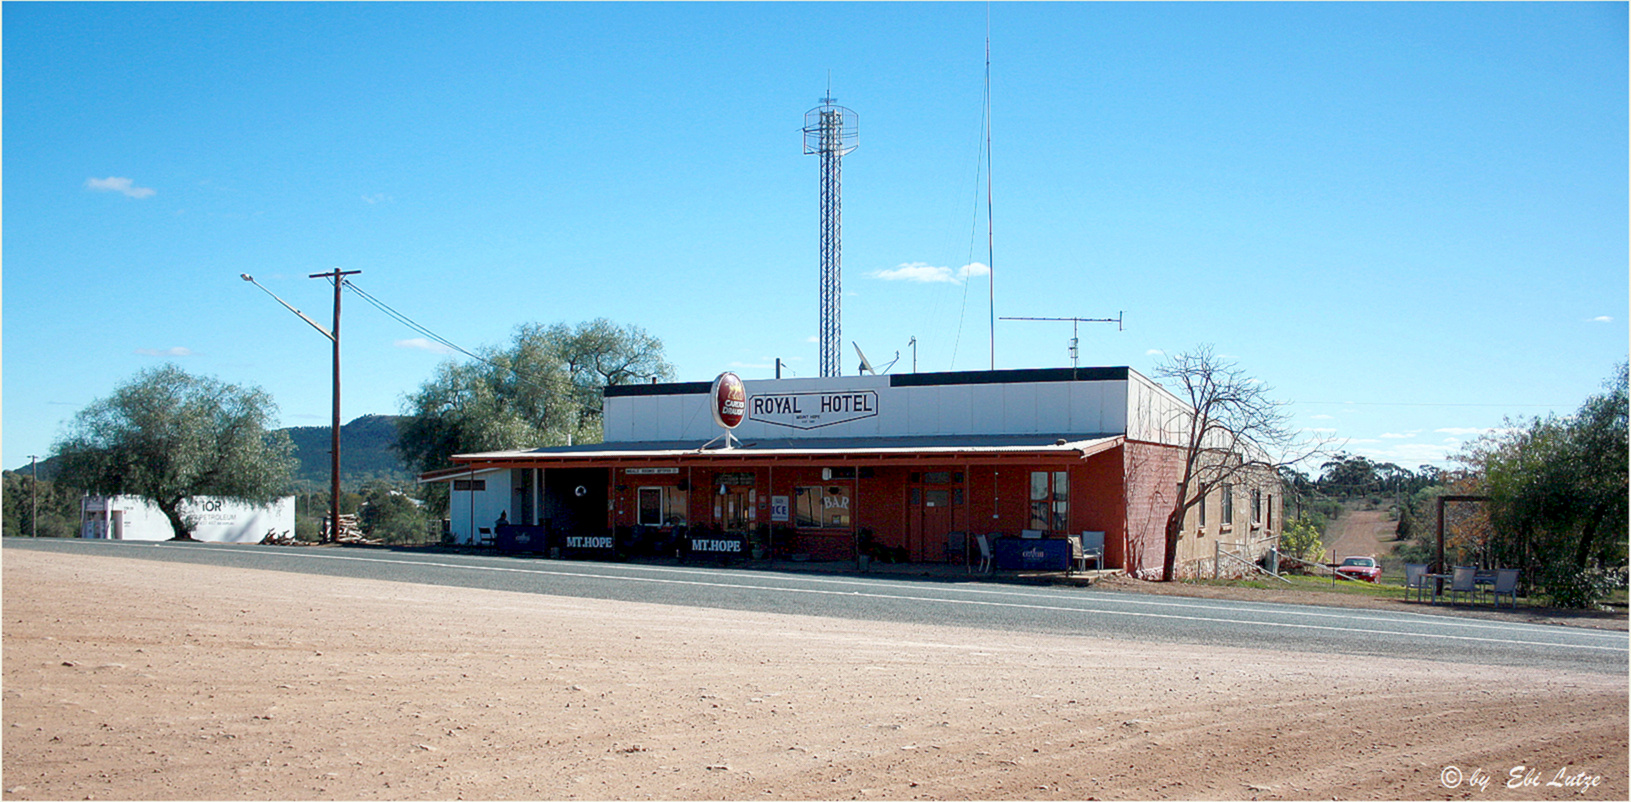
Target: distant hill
366,452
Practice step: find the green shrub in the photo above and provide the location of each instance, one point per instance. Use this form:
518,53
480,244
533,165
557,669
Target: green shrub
1302,539
1576,588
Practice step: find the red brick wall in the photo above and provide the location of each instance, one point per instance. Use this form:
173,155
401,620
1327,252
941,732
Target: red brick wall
1153,472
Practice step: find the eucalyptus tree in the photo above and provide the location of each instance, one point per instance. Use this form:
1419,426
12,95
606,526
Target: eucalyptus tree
1558,485
167,435
542,389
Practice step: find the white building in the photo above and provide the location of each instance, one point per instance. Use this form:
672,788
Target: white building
218,520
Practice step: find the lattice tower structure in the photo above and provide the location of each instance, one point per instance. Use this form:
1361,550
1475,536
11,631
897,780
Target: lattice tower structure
831,131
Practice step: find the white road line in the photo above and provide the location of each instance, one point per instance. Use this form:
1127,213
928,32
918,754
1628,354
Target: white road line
967,602
1401,617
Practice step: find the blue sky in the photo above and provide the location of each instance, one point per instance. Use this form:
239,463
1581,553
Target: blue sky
1410,220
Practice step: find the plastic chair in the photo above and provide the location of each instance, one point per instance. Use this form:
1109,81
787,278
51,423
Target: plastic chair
1464,579
1083,546
1506,584
985,552
1415,578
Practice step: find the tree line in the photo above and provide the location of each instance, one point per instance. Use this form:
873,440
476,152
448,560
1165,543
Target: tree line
167,435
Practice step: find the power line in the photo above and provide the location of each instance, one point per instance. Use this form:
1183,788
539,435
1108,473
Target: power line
1422,404
407,321
412,324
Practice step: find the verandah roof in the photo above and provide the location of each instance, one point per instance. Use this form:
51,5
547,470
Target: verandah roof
873,451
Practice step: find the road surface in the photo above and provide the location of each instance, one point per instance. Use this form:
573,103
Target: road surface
975,604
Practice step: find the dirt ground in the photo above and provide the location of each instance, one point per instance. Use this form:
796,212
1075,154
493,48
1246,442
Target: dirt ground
143,680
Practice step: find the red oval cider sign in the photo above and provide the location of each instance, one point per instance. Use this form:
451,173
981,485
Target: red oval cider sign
730,398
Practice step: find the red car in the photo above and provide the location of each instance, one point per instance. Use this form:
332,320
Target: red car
1361,568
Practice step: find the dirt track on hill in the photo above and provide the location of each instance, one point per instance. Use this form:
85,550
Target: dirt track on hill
1361,533
144,680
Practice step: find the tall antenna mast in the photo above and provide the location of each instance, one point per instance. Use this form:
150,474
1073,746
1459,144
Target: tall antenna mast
990,247
831,131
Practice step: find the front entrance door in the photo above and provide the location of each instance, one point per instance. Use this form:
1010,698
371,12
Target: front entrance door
931,515
735,509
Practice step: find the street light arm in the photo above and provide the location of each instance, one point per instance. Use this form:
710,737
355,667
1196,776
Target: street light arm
314,324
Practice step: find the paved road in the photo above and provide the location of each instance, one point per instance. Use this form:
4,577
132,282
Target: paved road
977,604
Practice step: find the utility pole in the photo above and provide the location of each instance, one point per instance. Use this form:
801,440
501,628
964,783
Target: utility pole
338,277
33,497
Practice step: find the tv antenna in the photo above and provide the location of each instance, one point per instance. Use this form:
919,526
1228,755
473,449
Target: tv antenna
1074,323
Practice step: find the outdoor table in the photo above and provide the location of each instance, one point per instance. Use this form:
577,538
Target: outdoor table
1438,581
1479,578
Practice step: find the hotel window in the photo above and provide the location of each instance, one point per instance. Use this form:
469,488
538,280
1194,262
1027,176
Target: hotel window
1050,501
1202,511
1257,506
821,507
1228,506
661,506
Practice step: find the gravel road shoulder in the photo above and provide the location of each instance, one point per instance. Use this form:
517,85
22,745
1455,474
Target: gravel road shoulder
144,680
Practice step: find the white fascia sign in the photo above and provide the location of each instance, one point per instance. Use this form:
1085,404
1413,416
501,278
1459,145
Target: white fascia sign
813,410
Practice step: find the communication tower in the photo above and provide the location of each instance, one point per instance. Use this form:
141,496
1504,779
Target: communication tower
830,130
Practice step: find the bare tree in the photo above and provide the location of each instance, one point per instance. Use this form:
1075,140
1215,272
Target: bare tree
1231,431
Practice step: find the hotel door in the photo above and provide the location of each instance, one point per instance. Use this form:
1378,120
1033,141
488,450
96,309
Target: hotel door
931,515
734,510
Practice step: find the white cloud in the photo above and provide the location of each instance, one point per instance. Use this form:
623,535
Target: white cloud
1462,431
1155,352
176,351
917,271
378,197
1600,319
123,185
1409,455
423,344
1322,416
925,273
1395,436
1320,431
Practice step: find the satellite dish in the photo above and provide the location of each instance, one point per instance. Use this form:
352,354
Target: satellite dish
866,366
